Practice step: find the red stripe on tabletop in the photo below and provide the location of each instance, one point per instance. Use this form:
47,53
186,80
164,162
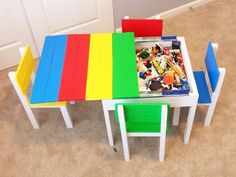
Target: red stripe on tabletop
80,80
74,76
68,71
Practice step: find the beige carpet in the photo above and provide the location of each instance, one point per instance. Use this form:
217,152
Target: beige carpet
55,151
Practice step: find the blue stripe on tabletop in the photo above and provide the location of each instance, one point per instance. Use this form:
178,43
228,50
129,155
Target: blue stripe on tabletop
54,80
41,79
168,38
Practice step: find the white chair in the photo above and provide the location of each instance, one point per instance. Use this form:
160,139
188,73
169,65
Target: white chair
20,81
142,120
213,76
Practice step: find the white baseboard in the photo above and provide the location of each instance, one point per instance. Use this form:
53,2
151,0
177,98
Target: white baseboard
181,9
177,10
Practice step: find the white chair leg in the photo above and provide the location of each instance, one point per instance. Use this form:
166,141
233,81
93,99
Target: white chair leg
108,125
162,148
176,116
214,97
123,132
189,123
66,117
209,114
24,101
163,132
31,117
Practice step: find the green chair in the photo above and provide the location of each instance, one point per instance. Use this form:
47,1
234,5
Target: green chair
142,120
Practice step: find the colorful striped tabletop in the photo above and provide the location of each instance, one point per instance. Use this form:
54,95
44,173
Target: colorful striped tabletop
86,67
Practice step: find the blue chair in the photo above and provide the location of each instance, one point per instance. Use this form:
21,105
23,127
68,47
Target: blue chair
214,77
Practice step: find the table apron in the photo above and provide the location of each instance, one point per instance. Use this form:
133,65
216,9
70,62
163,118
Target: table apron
178,101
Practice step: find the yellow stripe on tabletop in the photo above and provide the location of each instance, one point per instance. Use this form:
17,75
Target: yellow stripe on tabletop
99,78
48,104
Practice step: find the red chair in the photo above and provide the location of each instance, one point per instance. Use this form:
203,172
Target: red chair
143,27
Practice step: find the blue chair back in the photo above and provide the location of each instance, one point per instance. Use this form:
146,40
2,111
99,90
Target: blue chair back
212,67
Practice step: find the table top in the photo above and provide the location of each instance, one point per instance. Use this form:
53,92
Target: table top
86,67
92,67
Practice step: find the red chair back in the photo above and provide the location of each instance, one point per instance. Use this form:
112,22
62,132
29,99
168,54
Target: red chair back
143,27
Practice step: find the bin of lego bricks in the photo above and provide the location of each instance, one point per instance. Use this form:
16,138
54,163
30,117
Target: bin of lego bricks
160,68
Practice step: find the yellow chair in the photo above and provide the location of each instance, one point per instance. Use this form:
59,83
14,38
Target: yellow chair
21,79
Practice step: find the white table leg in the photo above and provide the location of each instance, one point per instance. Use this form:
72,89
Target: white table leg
176,116
66,116
189,123
108,126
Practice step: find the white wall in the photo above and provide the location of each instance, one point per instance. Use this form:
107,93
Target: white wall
143,8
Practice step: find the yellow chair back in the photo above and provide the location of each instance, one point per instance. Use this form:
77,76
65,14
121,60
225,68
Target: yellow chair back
25,69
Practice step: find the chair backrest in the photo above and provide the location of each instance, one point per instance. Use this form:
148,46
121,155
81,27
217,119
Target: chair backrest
25,70
143,27
211,67
142,117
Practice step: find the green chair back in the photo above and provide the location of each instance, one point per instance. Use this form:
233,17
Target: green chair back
142,117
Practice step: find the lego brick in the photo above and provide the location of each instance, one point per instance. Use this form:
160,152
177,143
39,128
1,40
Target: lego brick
168,38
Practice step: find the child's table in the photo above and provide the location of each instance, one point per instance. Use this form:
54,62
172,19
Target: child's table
102,67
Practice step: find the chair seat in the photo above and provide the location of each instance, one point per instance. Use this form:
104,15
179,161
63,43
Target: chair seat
48,104
204,95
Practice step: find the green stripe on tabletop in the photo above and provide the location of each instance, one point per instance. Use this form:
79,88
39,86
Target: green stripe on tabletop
125,81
